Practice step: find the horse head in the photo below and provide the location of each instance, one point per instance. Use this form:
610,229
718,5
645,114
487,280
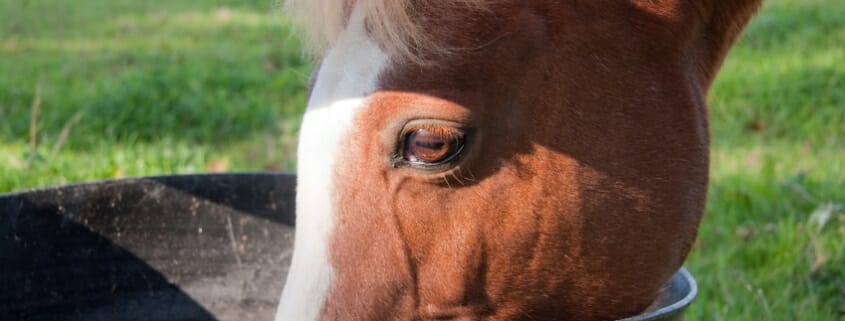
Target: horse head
501,159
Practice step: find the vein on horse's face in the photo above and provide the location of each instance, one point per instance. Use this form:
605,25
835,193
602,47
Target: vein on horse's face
347,75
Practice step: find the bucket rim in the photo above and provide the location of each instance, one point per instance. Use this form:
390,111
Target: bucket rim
683,278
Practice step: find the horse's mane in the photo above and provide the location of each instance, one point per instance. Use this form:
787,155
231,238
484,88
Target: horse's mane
390,22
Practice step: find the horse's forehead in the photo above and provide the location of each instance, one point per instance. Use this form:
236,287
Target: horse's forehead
347,75
411,29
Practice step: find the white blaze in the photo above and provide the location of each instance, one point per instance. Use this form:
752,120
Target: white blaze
347,75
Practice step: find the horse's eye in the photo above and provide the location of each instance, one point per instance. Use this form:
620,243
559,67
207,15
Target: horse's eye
432,145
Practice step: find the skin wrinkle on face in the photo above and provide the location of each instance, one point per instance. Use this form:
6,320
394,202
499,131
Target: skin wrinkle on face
347,75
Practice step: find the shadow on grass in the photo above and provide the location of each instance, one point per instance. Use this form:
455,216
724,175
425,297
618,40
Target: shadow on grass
788,25
34,17
799,103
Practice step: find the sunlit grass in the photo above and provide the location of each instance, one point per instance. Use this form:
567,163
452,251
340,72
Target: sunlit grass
772,246
132,88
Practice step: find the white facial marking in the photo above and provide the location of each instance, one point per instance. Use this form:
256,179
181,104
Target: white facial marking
347,75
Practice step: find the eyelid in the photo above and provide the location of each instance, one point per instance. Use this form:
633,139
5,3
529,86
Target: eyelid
447,131
431,124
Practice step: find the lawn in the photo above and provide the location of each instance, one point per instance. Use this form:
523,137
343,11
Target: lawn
101,89
128,88
772,244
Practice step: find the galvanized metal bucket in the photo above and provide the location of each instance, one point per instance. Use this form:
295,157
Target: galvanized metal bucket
195,247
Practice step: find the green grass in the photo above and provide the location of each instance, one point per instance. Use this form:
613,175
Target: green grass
156,87
132,88
765,251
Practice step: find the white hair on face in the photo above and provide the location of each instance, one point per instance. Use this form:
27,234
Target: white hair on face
390,23
346,77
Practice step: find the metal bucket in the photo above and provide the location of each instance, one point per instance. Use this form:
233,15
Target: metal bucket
195,247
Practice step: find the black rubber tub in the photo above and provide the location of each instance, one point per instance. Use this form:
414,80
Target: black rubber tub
194,247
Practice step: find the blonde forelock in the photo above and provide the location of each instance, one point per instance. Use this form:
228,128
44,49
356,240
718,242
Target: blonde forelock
391,23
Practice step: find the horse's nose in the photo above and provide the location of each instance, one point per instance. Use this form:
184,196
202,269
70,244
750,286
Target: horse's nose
433,312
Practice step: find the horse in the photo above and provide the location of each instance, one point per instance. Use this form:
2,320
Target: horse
501,159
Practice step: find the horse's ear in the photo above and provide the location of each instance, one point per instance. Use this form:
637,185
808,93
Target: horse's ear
724,21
